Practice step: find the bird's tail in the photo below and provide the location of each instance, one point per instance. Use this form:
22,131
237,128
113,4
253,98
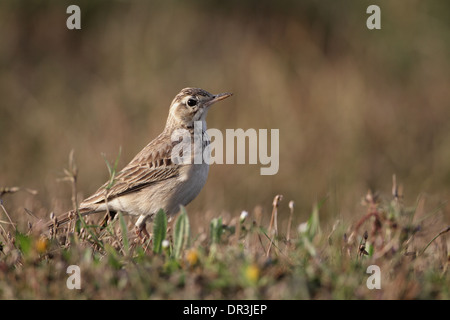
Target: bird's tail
72,215
57,222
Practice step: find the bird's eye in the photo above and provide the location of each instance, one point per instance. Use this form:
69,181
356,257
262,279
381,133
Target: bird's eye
191,102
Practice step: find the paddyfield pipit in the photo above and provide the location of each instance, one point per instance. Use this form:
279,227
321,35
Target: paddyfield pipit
153,180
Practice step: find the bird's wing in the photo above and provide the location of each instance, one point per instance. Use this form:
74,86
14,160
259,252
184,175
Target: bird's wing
151,165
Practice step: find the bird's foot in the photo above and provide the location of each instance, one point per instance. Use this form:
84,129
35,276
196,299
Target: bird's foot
142,233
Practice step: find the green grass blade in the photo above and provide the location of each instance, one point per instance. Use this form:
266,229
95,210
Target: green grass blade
124,230
216,230
159,230
313,221
112,169
81,223
181,234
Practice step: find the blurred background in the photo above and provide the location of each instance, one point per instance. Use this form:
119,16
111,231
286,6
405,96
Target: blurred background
353,106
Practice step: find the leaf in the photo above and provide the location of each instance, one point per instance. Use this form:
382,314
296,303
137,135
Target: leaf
216,230
159,230
181,233
24,243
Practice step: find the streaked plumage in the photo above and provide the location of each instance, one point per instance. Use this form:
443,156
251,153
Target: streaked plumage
152,180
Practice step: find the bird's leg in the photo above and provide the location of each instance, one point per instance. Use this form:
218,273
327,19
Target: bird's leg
140,229
142,232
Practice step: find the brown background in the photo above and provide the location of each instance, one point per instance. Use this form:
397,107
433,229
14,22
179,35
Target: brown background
353,106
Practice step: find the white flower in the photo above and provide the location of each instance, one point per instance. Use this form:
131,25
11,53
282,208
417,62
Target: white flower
243,216
302,227
165,244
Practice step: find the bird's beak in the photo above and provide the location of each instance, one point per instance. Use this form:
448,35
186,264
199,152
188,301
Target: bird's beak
218,97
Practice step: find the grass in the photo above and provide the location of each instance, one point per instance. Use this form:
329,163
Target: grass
353,105
242,259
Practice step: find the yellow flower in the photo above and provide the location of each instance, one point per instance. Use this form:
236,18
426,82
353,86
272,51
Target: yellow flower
252,273
192,257
41,245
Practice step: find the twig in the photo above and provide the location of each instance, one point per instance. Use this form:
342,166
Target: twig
8,190
73,177
29,212
435,237
73,174
273,220
7,215
291,207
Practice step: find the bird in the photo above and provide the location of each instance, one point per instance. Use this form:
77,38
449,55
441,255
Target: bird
155,179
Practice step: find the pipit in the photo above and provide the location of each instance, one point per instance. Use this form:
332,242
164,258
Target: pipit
153,180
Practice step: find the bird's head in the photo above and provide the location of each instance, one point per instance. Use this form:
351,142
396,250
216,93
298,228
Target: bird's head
190,105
